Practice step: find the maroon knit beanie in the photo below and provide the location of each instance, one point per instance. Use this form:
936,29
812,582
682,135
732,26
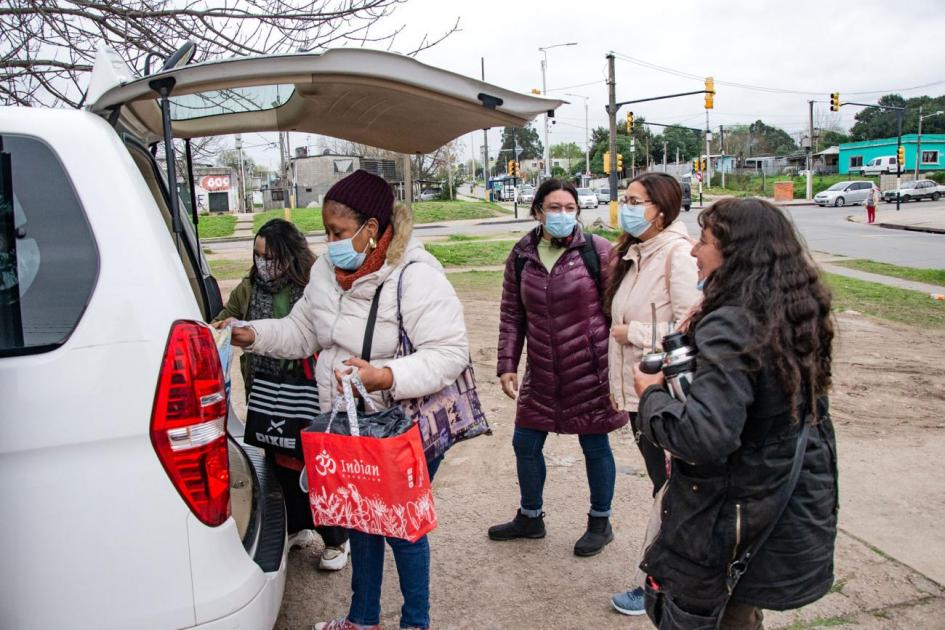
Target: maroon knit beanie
367,194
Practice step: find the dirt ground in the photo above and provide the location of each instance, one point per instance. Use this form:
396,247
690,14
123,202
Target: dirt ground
889,410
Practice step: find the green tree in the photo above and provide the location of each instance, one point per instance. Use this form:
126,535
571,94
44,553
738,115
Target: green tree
566,150
831,138
526,139
872,122
768,140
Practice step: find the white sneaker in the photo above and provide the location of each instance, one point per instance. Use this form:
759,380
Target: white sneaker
335,558
300,538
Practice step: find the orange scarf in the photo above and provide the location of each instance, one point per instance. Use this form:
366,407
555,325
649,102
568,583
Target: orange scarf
373,262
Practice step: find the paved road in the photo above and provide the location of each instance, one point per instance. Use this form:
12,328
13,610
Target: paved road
824,229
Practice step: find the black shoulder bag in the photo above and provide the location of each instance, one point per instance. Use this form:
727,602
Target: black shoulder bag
280,406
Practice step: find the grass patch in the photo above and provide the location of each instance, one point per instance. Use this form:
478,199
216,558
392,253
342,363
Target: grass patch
215,225
435,211
464,254
930,276
821,622
610,235
306,219
310,219
229,269
879,300
466,237
838,586
476,280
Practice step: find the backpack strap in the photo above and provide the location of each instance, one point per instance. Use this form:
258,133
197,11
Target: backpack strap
588,254
592,261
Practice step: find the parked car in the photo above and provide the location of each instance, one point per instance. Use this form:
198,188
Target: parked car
878,165
844,193
603,195
915,190
526,194
129,500
587,198
430,194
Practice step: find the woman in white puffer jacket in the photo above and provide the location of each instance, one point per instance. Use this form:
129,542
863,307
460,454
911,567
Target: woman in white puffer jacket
369,244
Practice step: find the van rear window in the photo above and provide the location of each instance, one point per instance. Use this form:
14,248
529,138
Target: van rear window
48,258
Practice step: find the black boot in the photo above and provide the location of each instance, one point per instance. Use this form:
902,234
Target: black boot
598,534
520,527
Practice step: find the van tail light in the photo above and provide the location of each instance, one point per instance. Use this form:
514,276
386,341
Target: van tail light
188,422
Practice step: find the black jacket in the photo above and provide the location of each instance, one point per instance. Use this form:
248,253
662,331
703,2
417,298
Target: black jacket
733,443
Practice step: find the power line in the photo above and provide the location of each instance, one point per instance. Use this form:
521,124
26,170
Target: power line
580,85
760,88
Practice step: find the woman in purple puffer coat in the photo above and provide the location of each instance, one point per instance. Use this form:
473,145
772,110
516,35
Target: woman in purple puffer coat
551,298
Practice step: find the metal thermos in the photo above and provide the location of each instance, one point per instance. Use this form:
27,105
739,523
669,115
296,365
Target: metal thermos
679,364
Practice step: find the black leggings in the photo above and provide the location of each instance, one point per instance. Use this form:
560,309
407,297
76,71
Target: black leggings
653,457
298,512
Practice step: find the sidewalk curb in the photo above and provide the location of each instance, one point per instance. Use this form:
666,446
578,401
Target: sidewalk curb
896,226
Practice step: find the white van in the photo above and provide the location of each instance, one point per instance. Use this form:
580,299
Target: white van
884,164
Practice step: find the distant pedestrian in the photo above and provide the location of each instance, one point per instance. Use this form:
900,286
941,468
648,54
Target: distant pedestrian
551,298
275,282
872,198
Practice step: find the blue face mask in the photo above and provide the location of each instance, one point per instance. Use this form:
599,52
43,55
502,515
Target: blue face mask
701,284
632,220
560,224
343,254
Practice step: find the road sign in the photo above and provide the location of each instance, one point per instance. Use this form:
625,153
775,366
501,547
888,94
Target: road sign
699,176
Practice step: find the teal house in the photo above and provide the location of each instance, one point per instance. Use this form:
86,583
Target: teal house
855,155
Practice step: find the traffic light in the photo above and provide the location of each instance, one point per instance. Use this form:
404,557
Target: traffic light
536,91
709,92
510,168
607,162
629,122
835,101
901,155
619,162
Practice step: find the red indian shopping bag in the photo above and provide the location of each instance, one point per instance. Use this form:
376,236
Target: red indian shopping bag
376,485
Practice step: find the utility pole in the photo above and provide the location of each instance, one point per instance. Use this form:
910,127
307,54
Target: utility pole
810,151
918,144
708,161
677,156
587,137
485,143
408,180
242,176
612,119
722,153
665,147
544,90
899,166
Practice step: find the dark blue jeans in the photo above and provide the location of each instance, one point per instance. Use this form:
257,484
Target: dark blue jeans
413,569
530,461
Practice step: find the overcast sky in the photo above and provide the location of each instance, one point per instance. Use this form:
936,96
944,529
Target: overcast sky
793,51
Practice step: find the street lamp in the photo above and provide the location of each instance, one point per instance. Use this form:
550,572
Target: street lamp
544,90
587,139
918,144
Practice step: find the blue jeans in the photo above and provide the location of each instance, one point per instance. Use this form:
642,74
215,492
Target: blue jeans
530,461
413,569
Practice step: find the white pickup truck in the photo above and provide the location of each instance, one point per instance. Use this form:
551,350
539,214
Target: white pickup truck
129,500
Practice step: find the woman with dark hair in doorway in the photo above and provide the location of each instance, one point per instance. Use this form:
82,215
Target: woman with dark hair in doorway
551,297
750,510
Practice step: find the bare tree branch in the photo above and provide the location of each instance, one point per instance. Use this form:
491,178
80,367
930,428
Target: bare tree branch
55,41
